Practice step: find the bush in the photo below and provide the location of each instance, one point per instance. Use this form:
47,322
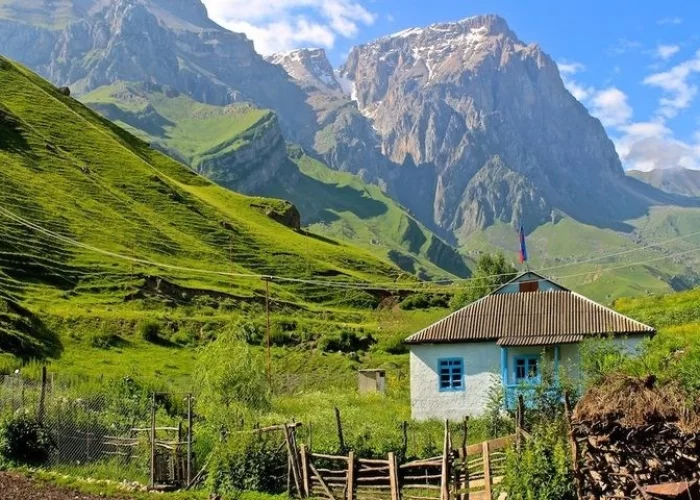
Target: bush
424,300
149,330
542,468
346,341
248,462
24,441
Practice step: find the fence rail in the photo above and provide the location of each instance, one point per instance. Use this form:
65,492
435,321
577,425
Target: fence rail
464,473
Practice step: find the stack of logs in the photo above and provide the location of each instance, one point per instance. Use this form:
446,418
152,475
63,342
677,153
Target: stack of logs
617,461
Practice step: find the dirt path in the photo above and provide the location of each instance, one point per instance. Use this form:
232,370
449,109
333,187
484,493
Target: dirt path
17,487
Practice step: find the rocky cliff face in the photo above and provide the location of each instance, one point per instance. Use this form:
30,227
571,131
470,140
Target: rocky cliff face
463,123
169,42
261,155
486,121
681,181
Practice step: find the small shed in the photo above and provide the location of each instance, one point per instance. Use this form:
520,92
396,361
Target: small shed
371,381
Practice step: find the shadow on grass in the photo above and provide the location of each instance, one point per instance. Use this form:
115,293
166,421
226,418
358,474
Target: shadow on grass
24,335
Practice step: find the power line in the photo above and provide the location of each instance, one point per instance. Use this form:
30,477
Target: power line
417,286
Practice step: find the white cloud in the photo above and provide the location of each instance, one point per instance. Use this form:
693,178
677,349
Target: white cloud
670,20
276,25
651,145
610,106
666,52
567,70
679,92
570,68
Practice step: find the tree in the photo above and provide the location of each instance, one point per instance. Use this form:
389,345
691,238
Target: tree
491,272
231,380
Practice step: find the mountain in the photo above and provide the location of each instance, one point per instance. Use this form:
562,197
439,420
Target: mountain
93,43
466,128
485,122
681,181
86,209
241,147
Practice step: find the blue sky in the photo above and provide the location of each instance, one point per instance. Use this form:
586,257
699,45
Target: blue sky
634,64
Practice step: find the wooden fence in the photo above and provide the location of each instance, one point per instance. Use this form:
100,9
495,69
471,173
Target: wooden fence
463,473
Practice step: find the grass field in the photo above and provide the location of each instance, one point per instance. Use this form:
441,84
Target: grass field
80,197
337,205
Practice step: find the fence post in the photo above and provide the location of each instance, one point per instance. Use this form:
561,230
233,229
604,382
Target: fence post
394,477
189,439
291,451
464,482
152,481
42,395
339,425
487,468
404,444
445,478
351,476
305,471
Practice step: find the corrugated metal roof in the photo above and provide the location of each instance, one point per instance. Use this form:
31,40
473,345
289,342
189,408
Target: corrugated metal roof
532,318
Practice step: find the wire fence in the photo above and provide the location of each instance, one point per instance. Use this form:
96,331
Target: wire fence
108,432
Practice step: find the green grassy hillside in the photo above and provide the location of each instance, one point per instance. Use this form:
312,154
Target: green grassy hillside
338,205
175,123
657,255
79,196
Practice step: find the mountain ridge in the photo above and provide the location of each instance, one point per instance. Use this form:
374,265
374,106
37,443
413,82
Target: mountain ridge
463,124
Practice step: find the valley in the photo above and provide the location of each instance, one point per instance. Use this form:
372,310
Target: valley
183,218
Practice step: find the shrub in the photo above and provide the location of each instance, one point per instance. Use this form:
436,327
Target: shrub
248,462
24,441
345,341
231,380
149,330
600,357
542,468
424,300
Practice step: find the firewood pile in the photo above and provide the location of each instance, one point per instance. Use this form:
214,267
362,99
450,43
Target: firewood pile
631,433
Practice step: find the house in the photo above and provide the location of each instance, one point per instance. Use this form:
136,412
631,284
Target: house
501,339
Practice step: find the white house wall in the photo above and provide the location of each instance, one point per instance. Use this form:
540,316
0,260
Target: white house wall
481,371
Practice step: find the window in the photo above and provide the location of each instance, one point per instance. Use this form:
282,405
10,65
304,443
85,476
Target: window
526,369
451,374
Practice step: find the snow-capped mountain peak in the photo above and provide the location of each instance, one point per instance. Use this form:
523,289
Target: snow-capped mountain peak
308,66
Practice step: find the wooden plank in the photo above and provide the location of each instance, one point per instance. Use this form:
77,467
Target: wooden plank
394,477
305,471
487,468
339,425
291,451
372,461
422,463
325,487
501,443
335,457
189,438
152,480
463,481
445,476
351,482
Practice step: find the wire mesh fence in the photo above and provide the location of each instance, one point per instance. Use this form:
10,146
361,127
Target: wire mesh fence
109,432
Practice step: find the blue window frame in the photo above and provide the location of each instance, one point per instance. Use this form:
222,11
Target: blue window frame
526,368
451,374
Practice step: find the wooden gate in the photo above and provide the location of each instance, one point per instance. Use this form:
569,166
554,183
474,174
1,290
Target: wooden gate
465,473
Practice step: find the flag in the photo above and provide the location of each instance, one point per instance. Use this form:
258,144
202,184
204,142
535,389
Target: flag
523,250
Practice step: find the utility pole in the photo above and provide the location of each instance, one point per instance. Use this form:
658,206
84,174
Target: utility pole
267,313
